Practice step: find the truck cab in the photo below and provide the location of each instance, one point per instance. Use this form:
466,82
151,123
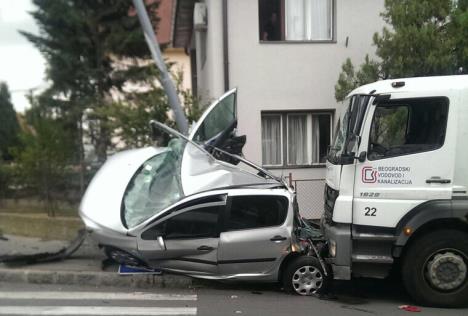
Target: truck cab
396,186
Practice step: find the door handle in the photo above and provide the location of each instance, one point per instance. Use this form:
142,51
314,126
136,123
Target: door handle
205,248
278,238
438,180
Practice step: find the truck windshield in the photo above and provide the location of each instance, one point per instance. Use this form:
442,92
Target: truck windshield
348,128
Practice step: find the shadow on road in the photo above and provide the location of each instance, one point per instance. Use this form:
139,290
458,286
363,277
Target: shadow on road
354,292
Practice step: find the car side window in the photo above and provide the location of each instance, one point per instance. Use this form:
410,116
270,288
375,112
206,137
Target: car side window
404,127
197,223
248,212
217,120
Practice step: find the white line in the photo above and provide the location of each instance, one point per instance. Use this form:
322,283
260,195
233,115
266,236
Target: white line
134,296
96,310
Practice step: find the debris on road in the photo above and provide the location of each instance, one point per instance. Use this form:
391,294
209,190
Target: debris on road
409,308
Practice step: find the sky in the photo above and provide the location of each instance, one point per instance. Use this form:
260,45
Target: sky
22,66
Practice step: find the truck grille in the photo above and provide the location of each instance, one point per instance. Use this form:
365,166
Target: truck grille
330,196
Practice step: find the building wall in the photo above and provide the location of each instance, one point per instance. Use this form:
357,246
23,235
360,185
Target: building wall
281,76
293,76
181,63
209,47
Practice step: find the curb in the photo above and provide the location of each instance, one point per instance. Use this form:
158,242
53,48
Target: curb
95,279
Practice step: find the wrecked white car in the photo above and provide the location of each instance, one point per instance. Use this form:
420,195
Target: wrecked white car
187,206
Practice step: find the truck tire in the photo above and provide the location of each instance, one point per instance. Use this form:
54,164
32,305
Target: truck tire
434,269
304,276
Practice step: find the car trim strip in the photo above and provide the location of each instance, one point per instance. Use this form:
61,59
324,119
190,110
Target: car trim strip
226,261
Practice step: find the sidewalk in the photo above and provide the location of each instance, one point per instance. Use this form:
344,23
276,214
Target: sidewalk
82,268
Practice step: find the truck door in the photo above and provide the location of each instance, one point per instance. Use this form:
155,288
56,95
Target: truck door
409,154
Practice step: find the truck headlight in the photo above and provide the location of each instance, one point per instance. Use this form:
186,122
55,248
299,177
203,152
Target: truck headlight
332,249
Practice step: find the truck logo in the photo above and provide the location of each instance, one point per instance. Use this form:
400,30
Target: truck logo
369,175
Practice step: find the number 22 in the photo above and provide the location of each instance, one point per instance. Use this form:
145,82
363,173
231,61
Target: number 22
370,211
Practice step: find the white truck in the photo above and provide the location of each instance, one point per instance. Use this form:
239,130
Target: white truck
396,187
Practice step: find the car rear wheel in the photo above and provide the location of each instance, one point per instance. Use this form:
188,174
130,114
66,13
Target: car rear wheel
435,269
122,257
305,276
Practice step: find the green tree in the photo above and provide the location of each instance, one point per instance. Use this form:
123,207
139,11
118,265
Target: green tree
349,79
9,126
129,119
426,38
92,47
44,155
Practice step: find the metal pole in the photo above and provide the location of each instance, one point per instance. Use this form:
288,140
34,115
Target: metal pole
165,79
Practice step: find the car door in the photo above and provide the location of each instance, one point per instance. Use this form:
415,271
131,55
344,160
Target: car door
408,151
216,127
255,235
187,239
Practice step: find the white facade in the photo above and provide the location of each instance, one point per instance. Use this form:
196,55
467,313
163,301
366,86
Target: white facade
281,76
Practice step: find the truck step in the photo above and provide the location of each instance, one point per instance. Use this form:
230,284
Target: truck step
372,259
376,237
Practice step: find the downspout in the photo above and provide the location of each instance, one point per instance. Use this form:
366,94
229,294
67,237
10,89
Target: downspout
225,46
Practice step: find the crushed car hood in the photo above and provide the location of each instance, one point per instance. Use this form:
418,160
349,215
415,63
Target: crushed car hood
102,201
134,186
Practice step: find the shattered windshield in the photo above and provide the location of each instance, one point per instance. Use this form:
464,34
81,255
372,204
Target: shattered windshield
156,185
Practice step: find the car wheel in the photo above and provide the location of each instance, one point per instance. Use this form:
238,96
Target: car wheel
305,276
435,268
122,257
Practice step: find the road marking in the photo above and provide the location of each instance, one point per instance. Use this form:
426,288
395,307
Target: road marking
96,310
134,296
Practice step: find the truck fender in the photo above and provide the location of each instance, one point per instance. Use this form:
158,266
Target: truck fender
453,210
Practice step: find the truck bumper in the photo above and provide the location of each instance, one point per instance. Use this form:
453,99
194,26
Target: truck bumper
340,246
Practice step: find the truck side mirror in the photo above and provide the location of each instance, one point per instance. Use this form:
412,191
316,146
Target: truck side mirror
362,156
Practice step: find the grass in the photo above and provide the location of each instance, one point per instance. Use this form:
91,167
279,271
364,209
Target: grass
29,218
31,206
40,226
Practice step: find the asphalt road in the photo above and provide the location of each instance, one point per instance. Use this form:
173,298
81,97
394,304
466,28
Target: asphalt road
357,298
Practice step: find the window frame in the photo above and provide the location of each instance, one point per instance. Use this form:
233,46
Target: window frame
227,212
401,102
188,206
333,25
284,137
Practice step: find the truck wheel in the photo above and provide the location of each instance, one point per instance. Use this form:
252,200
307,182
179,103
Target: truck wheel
304,276
435,268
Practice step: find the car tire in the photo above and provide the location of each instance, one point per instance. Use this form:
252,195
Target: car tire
305,276
123,257
434,269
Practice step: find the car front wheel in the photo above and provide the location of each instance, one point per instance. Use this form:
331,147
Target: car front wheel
305,276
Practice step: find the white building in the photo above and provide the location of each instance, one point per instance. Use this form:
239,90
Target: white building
284,56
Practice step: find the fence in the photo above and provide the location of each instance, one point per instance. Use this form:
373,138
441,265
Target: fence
309,196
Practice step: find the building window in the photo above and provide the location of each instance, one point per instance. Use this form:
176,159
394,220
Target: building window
296,20
295,139
272,140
